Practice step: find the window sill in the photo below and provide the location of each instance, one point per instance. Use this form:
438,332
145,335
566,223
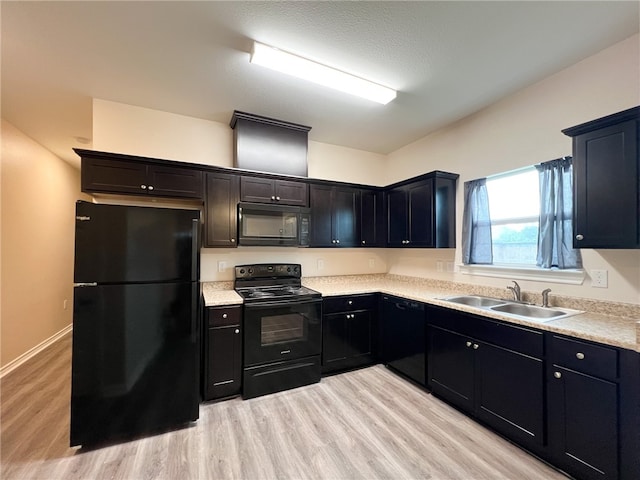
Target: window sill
571,277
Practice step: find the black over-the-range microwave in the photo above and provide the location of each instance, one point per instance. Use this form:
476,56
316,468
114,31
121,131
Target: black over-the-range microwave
273,225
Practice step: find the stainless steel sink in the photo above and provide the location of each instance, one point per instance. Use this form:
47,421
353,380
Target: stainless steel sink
530,311
512,309
474,300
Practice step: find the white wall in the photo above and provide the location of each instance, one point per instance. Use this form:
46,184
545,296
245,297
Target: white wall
520,130
39,191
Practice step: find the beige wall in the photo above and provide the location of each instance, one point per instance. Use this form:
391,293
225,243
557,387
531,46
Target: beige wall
38,195
520,130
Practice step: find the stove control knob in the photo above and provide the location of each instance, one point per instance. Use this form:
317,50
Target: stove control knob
295,269
288,269
242,271
250,271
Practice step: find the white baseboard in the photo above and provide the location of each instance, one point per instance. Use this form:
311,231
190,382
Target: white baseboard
15,363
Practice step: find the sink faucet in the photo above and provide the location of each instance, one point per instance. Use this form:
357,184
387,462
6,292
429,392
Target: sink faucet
516,291
545,297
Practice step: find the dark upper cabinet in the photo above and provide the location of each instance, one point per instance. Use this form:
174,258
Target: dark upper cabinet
267,190
492,370
606,166
222,372
421,212
372,219
221,212
334,216
348,332
106,175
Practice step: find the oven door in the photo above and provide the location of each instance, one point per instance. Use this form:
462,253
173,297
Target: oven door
285,330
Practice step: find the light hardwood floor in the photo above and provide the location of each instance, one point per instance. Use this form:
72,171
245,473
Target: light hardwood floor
365,424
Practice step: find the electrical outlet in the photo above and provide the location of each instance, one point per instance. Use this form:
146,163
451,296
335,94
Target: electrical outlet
372,263
599,278
64,304
450,267
439,265
320,264
222,266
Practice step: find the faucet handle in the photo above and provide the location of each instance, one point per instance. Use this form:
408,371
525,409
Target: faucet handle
545,297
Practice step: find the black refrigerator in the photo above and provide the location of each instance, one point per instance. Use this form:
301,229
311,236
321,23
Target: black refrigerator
136,355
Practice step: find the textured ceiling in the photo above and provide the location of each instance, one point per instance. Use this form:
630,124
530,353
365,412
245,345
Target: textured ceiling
447,59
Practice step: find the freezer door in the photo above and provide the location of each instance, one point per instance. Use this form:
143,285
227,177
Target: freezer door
135,363
123,244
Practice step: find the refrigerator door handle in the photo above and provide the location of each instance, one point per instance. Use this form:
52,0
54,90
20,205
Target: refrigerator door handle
89,284
195,243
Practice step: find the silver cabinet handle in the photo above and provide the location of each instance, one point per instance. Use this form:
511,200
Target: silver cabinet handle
224,315
150,187
475,346
273,197
557,374
337,241
363,242
350,302
143,187
278,199
579,237
233,240
580,356
468,344
237,330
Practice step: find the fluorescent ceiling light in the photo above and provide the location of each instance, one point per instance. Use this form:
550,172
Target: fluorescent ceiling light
315,72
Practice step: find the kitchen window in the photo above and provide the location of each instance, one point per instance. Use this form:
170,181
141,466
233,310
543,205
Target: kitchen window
509,232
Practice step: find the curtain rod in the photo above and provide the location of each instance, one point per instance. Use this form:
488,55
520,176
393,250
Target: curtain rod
566,157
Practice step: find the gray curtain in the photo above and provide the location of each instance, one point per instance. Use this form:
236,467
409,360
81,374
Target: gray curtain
555,237
476,224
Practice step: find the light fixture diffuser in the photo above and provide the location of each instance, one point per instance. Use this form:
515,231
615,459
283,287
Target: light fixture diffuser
296,66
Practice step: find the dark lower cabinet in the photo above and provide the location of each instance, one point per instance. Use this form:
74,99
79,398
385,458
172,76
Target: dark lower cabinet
593,409
476,365
222,372
402,337
348,332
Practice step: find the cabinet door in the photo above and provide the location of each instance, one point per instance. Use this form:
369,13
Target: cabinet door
256,189
607,206
509,393
114,176
292,193
360,348
420,198
583,424
334,341
371,218
224,361
175,182
221,210
321,219
397,218
345,209
451,367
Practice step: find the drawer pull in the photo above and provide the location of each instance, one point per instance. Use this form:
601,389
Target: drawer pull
224,315
350,302
557,374
580,356
468,344
475,346
237,330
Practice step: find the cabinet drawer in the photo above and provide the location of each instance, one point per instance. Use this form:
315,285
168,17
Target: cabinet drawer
585,357
348,303
222,316
512,337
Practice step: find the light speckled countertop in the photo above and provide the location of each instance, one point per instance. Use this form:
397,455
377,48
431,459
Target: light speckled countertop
614,324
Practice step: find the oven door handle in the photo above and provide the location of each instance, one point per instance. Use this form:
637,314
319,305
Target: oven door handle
282,303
